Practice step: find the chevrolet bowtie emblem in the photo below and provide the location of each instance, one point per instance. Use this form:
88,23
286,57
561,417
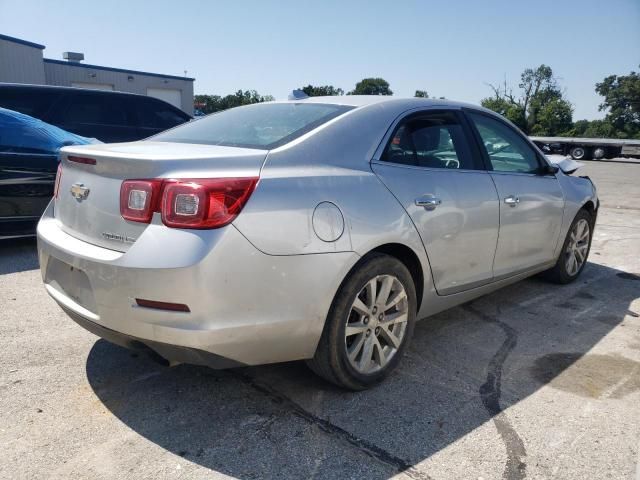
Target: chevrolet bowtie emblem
79,191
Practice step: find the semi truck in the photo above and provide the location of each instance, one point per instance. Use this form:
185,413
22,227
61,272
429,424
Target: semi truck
589,148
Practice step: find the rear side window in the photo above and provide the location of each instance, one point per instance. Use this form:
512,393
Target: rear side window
432,140
152,114
507,150
29,101
96,110
261,126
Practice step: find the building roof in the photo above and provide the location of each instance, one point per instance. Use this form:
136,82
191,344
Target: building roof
21,42
111,69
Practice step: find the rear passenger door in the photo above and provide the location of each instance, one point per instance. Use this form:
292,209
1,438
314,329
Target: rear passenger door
429,165
105,117
531,200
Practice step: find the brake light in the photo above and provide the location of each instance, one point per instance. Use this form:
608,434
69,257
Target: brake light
186,203
204,203
82,160
139,199
56,185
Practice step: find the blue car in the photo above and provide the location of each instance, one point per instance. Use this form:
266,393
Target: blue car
28,164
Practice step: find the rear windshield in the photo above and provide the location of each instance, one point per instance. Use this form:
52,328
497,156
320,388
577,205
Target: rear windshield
262,126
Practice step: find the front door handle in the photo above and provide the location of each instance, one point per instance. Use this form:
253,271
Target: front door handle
512,200
429,202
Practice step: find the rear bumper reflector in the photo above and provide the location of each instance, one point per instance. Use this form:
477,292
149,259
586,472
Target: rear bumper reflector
174,307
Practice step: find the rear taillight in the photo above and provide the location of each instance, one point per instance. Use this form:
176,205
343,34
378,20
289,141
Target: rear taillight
56,186
186,203
203,203
139,199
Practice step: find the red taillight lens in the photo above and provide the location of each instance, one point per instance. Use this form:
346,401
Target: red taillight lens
204,203
187,203
56,186
82,160
139,199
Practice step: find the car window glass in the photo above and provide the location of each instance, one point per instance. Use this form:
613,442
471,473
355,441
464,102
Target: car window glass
156,115
96,110
262,125
433,141
507,150
28,101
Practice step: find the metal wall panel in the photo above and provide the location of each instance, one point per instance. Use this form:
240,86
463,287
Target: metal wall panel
63,74
20,63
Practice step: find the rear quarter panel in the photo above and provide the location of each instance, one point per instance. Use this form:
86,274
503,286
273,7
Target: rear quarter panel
330,165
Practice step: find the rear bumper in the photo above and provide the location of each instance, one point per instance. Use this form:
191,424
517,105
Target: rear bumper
246,307
174,353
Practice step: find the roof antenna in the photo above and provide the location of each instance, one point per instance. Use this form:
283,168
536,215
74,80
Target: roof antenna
297,95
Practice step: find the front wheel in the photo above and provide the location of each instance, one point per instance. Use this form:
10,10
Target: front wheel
575,250
369,325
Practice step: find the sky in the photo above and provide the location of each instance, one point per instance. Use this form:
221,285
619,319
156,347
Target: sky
449,48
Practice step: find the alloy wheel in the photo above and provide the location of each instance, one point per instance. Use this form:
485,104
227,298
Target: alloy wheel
578,247
376,324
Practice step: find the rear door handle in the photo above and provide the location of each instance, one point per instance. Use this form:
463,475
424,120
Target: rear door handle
512,200
429,202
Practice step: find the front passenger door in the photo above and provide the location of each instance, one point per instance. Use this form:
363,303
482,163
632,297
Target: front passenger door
531,200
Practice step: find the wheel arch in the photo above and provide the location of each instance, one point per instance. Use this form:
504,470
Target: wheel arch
409,259
591,208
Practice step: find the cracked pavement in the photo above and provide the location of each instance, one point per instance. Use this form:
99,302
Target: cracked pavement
533,381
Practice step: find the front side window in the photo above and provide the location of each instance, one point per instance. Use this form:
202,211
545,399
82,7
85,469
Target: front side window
262,126
507,150
434,140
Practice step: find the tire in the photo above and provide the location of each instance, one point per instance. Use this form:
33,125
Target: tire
371,345
579,153
562,272
599,153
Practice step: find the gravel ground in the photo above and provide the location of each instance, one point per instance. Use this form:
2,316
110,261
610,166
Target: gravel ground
534,381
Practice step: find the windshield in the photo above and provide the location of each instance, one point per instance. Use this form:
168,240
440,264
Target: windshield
262,126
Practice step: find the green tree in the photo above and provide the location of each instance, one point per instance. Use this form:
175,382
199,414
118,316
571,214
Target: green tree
216,103
371,86
622,103
322,91
508,109
421,94
538,107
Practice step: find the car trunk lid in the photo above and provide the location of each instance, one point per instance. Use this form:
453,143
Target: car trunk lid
88,201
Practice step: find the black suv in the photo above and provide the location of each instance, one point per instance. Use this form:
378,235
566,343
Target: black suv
107,116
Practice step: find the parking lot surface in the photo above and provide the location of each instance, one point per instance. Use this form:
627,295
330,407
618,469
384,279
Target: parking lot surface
533,381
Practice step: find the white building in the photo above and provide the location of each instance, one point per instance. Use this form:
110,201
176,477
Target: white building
23,62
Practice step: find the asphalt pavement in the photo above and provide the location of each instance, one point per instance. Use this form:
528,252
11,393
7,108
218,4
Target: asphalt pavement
533,381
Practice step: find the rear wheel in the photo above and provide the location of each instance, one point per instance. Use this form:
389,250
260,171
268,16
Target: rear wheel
575,250
369,325
599,153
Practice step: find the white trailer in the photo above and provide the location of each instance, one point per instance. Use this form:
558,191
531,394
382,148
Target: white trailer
589,148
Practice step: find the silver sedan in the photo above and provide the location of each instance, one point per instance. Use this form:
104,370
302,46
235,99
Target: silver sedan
316,229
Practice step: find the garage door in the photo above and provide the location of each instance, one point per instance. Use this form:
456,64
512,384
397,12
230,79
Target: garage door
169,95
94,86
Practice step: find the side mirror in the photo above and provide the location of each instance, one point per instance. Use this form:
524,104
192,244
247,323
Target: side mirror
549,169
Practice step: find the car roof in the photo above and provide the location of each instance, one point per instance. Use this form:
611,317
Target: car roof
388,100
56,88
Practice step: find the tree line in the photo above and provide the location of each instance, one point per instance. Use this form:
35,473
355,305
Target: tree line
537,105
